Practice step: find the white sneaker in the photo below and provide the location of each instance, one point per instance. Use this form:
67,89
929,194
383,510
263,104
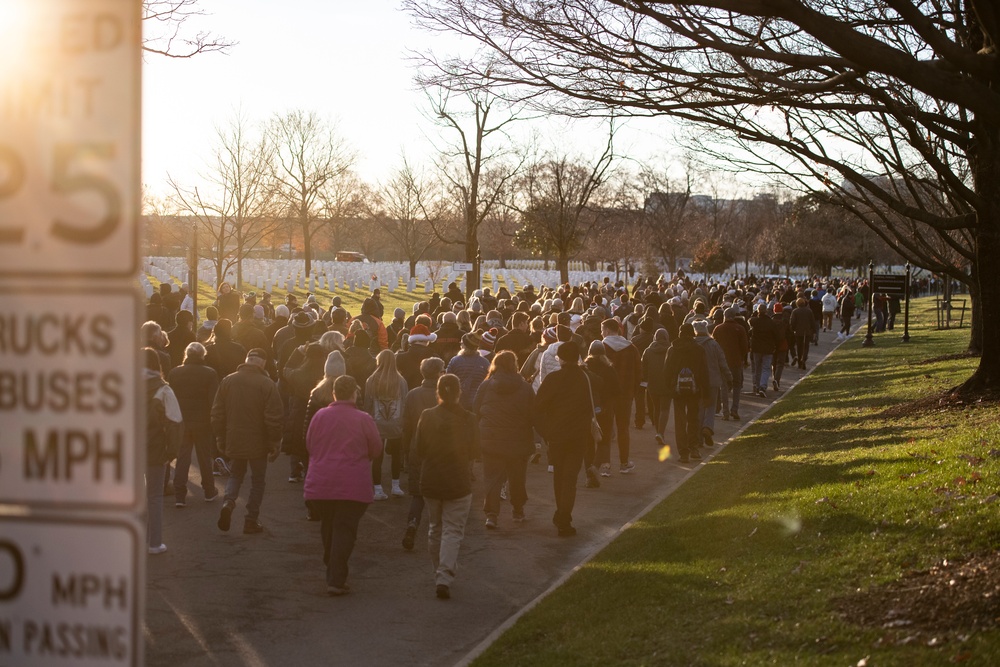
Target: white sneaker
157,550
396,491
380,494
552,468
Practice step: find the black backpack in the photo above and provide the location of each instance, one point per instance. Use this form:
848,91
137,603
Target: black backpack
686,385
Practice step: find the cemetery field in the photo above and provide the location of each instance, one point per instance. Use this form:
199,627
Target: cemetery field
352,281
848,526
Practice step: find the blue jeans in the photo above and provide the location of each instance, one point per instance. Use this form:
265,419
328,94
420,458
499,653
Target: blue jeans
707,412
734,394
258,468
155,475
761,369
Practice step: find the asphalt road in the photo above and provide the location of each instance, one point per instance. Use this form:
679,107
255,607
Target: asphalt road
219,598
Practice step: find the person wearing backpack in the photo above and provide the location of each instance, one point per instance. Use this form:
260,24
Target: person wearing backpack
688,384
719,378
385,396
164,431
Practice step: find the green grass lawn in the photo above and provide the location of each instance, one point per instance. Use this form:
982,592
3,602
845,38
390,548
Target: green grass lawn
824,499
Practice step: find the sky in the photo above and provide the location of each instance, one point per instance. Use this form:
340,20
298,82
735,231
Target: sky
344,59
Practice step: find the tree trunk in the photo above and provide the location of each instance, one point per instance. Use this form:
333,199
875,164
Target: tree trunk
239,268
975,319
986,379
413,268
563,266
473,279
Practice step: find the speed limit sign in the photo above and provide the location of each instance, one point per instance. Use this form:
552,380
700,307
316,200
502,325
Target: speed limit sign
69,138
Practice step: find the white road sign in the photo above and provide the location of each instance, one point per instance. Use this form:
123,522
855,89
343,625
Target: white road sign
70,592
69,137
69,397
461,266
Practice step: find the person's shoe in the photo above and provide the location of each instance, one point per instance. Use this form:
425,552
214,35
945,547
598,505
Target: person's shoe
157,550
226,515
518,516
252,526
605,470
659,440
708,441
211,498
491,522
735,416
567,531
409,536
220,468
626,468
774,385
442,592
552,468
396,490
379,493
695,455
761,393
180,503
683,459
592,481
335,591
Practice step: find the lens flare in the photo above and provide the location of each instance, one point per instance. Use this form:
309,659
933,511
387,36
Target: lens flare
664,453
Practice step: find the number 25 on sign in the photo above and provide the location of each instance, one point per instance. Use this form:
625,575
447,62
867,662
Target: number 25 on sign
69,137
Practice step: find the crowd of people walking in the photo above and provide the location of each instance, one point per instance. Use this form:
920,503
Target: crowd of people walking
563,373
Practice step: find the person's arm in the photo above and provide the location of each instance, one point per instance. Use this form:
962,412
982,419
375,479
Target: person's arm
218,418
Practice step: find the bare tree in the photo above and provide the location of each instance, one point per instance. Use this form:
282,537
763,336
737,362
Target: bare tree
309,158
235,204
557,194
406,208
477,166
895,102
164,30
668,212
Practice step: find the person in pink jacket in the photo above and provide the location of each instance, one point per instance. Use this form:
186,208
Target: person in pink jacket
342,441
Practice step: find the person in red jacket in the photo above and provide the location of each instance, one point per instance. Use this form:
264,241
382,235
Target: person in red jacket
625,359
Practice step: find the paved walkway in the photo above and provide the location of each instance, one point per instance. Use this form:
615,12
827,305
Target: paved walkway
231,599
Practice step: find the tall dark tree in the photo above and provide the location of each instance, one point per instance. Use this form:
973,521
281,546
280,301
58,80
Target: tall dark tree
857,94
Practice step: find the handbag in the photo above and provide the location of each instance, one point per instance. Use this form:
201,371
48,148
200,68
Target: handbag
595,429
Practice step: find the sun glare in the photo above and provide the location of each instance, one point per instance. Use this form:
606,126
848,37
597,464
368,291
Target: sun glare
15,31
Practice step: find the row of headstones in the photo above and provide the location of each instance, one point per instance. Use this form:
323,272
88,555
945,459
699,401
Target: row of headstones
269,275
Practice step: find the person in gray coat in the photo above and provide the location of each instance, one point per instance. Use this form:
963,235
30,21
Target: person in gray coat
247,419
719,378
